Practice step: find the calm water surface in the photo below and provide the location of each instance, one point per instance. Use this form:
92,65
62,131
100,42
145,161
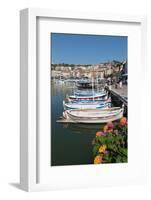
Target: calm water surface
71,144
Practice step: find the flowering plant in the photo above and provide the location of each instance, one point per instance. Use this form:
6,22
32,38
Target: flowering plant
110,144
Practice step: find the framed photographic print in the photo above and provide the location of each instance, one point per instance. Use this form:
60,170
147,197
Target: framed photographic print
81,77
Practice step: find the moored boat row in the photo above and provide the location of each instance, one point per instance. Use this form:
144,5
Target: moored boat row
90,106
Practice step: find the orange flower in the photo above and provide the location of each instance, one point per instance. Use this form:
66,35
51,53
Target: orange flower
123,121
99,133
97,160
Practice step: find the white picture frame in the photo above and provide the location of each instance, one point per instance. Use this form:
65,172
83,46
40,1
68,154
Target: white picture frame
29,110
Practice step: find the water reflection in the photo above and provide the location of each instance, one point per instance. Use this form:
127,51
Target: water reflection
71,144
83,128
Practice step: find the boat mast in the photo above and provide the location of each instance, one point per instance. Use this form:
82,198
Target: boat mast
74,86
93,83
97,82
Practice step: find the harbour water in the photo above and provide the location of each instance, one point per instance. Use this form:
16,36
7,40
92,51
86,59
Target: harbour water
71,144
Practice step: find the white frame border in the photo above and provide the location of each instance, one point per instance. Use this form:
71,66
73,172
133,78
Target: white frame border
28,82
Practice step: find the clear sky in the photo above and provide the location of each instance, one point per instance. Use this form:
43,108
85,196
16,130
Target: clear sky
87,49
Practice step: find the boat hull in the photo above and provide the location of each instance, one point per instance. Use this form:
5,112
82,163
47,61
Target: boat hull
95,97
99,100
91,117
88,93
86,105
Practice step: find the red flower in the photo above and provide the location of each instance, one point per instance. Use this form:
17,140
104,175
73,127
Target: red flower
110,125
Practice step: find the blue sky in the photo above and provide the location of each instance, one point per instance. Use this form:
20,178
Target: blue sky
87,49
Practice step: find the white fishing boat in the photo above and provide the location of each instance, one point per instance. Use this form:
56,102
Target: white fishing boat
87,100
94,96
87,93
94,115
87,105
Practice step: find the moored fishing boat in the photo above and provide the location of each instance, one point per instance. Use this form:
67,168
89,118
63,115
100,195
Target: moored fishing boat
94,96
87,93
87,105
99,100
94,115
85,84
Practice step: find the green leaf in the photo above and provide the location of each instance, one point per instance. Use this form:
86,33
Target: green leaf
95,149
